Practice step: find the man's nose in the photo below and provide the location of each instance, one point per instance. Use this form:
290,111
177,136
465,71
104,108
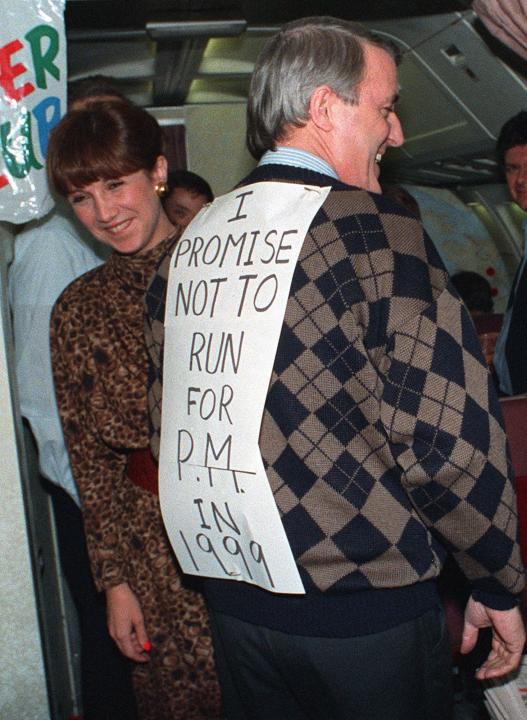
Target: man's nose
396,135
522,174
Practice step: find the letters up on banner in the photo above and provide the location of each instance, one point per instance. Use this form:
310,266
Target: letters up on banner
32,100
228,288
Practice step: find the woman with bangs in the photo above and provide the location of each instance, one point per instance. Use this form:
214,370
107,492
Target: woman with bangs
107,160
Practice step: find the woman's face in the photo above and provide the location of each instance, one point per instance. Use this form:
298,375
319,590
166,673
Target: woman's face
125,212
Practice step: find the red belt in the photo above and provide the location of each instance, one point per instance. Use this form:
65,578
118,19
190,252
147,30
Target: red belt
142,470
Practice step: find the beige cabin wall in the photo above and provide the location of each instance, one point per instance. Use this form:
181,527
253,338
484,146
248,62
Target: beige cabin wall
215,141
216,144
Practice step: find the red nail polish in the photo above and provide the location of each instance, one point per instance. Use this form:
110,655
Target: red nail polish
147,646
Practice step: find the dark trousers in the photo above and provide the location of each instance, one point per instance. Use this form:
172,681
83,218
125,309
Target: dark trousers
107,692
402,674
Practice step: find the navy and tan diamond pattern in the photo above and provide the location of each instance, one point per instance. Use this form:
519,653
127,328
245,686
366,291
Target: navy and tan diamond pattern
155,301
381,435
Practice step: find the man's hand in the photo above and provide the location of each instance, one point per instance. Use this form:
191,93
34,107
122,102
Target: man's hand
125,623
508,638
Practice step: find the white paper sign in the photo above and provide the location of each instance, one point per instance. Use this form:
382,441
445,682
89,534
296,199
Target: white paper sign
228,288
32,100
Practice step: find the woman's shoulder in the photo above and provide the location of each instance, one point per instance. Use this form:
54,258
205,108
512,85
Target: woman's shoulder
82,296
86,285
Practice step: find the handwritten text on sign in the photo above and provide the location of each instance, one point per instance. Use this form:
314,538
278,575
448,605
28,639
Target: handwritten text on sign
228,288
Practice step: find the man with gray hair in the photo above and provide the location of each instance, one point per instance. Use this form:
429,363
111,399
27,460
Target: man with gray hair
381,436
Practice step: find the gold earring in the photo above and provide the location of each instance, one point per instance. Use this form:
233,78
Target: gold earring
161,189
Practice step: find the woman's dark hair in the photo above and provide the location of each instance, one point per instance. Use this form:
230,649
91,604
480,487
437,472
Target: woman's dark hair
104,140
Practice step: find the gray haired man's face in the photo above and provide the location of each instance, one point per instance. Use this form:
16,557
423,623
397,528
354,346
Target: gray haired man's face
364,131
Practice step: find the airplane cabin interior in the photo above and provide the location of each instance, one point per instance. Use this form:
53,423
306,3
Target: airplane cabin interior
189,63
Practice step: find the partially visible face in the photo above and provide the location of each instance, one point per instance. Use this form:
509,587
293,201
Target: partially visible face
125,212
364,131
516,174
182,205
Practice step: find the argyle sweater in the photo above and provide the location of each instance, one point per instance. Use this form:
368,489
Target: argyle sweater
382,436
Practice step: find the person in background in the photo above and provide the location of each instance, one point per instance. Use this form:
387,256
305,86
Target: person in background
379,436
49,254
107,161
186,194
92,87
510,356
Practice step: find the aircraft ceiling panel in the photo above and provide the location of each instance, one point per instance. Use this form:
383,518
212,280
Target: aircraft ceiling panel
430,116
480,82
455,96
124,59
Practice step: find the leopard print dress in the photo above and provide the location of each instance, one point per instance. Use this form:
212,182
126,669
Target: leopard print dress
100,368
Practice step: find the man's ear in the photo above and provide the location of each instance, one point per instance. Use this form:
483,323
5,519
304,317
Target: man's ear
320,107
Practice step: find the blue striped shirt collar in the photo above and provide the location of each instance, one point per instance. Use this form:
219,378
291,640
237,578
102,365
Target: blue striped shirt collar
298,158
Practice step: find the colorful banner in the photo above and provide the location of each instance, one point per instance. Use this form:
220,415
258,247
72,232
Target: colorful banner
32,100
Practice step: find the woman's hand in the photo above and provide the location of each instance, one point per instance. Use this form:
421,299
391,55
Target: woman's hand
125,623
